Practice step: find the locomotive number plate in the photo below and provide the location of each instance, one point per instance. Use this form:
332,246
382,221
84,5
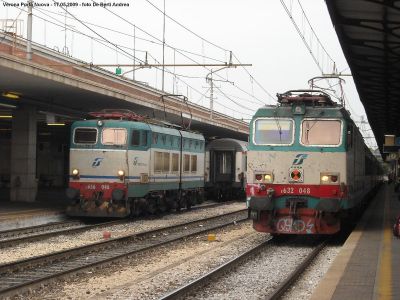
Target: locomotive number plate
102,187
296,190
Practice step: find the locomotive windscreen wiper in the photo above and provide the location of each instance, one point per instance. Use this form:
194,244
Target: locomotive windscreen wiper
279,127
308,129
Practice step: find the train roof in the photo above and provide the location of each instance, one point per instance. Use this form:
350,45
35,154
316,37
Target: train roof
139,126
227,144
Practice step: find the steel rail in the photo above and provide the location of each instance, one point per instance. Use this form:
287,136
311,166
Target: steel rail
38,228
53,226
181,292
294,276
21,276
45,235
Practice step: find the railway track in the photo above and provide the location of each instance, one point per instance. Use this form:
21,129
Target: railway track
20,276
13,237
294,276
212,276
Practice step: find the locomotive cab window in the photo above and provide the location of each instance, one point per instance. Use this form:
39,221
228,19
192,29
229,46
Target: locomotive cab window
135,138
143,142
114,136
273,131
85,136
317,132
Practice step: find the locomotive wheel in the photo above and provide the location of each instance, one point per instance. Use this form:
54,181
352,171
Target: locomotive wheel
151,206
189,202
162,205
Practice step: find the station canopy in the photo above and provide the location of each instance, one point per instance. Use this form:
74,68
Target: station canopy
369,33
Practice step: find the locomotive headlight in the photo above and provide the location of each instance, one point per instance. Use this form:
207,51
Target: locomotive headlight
268,178
75,173
99,123
324,178
329,178
121,174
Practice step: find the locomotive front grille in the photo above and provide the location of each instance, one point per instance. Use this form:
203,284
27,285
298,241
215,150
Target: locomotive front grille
296,202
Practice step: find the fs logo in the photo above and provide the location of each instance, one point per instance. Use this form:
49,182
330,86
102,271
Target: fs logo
299,159
97,161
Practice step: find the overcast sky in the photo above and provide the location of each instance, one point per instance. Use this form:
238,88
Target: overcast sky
258,32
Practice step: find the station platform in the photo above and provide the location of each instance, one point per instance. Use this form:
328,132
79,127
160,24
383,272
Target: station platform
50,206
368,265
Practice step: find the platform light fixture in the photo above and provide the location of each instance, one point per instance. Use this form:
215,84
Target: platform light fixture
6,117
55,124
7,105
11,95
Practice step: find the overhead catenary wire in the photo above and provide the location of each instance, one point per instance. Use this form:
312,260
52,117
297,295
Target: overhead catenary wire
211,43
99,38
131,36
127,21
118,16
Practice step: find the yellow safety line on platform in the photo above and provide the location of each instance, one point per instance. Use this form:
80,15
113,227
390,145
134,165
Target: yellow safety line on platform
385,270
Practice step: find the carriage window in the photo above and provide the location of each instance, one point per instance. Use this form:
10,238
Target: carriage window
114,136
186,163
321,132
175,162
158,161
166,162
135,138
274,131
224,162
85,136
193,159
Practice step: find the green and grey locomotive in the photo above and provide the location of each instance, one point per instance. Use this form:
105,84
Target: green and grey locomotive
121,164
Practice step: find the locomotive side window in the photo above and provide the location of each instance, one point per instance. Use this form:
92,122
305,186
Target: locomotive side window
186,163
166,162
193,159
175,162
321,132
158,161
114,136
273,131
155,138
135,138
144,138
85,136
